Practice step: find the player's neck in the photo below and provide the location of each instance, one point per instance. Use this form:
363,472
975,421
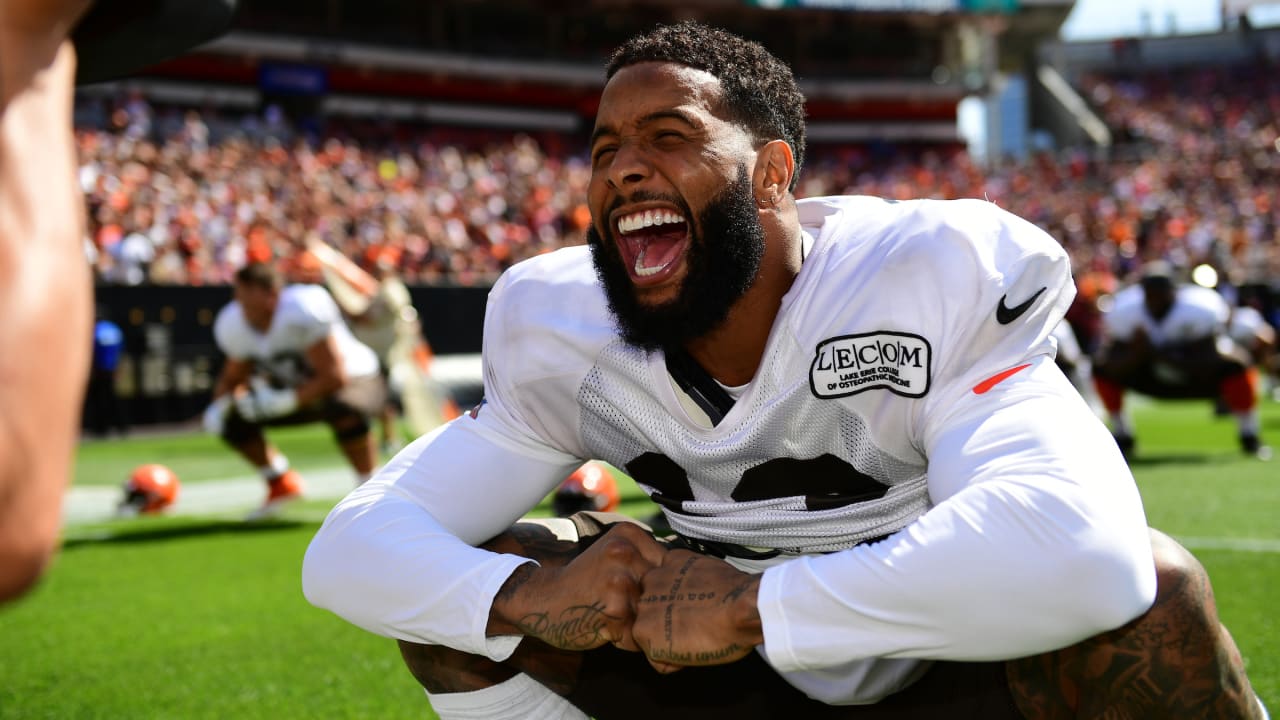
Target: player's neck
732,352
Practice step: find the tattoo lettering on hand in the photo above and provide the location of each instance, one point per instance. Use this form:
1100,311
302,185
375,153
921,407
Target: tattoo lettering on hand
678,597
736,593
576,628
674,594
681,574
703,657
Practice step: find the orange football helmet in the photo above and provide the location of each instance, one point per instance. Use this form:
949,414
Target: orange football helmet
149,489
590,487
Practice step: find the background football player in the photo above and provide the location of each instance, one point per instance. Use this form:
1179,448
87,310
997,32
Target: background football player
1167,339
291,359
1249,327
381,315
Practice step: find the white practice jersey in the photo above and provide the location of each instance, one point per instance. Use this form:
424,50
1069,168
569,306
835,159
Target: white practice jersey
1248,327
1069,350
907,390
1197,313
305,315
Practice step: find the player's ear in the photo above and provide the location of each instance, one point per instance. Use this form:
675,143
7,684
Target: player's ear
775,166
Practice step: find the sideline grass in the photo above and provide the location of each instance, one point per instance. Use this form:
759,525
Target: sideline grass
190,618
196,456
1195,484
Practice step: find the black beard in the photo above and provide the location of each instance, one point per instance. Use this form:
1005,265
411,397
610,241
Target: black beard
726,245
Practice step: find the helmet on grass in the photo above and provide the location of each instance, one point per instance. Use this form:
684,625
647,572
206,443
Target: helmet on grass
590,487
149,489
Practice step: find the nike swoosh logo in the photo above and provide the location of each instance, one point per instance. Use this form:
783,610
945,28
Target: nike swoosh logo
1006,314
983,387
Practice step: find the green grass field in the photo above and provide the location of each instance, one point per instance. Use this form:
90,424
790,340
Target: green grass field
182,617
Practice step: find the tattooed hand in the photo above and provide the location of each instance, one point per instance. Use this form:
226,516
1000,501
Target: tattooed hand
584,603
697,610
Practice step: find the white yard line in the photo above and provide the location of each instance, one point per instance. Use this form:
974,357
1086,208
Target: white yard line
242,494
1257,545
237,495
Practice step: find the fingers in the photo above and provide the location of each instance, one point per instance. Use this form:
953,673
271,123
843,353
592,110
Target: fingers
650,550
664,668
589,601
627,641
632,548
691,612
592,599
627,552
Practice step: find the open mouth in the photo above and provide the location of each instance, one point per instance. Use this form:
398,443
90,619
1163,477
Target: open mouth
652,242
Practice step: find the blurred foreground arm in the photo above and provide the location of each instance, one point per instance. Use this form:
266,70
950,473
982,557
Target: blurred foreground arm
45,291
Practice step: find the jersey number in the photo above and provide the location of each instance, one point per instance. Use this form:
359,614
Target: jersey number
825,481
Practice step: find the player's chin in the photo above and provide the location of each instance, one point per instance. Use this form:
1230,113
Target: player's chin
656,298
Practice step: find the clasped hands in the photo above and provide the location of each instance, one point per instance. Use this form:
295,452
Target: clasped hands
679,608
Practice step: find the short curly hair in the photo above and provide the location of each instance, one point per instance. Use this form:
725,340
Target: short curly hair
760,90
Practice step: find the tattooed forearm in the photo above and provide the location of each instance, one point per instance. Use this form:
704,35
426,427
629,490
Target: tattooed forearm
444,670
1174,661
534,541
576,628
513,583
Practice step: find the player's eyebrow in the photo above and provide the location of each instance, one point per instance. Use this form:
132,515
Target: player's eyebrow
670,114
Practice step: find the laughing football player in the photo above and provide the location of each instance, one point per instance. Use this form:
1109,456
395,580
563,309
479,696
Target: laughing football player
849,411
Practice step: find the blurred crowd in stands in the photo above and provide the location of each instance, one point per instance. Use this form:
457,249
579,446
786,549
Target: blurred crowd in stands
180,196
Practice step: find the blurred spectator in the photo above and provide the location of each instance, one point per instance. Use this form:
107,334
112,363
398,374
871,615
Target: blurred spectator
104,411
186,195
199,195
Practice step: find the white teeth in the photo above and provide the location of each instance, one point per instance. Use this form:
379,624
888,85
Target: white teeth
640,269
647,218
